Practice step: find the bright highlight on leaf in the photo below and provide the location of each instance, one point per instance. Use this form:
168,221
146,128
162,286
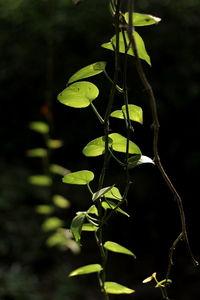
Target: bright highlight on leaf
40,127
52,223
114,193
101,192
137,160
115,247
60,201
93,268
79,177
135,113
116,288
142,19
88,71
89,227
142,53
79,94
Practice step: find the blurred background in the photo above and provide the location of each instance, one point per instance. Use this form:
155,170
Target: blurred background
42,44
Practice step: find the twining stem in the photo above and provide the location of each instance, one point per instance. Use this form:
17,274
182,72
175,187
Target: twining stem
107,155
155,127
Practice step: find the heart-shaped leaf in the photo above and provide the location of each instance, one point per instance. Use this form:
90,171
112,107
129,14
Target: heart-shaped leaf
79,94
135,113
88,71
79,177
142,19
101,192
114,193
93,268
142,53
119,144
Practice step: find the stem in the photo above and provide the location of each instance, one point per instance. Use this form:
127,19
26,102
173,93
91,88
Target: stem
155,127
97,113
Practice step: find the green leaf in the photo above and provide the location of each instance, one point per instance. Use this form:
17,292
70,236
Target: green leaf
44,209
88,71
92,210
93,268
89,227
59,170
116,288
41,180
142,19
135,113
114,193
142,53
115,247
108,204
60,201
95,147
52,224
37,152
137,160
79,177
76,225
40,127
79,94
119,144
101,192
54,144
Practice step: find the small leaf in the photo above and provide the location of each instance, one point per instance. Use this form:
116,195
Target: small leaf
37,152
116,288
40,127
79,94
79,177
115,247
101,192
119,144
41,180
76,225
142,53
89,227
52,224
44,209
135,113
108,204
142,19
60,201
114,193
92,210
95,147
59,170
137,160
54,144
88,71
163,283
93,268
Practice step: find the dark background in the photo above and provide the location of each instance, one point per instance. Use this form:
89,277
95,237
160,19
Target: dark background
42,43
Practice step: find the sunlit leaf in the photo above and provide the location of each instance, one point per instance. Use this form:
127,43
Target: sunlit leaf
37,152
114,193
119,144
40,127
41,180
88,71
116,288
101,192
137,160
142,53
44,209
96,147
89,227
60,201
93,268
79,177
76,225
92,210
142,19
79,94
115,247
52,223
108,204
135,113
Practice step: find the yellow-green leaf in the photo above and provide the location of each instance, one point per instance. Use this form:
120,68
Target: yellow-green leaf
41,180
115,247
116,288
142,19
60,201
40,127
79,177
93,268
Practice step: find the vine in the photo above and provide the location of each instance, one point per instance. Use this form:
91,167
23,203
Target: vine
107,199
